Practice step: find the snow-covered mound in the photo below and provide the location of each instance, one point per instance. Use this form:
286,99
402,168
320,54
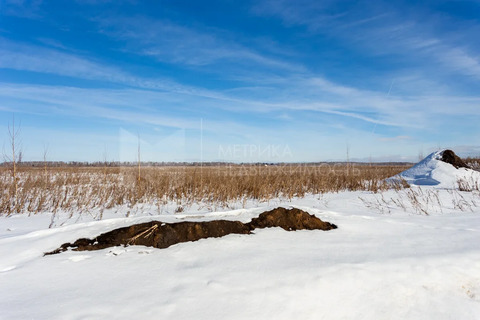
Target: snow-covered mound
432,171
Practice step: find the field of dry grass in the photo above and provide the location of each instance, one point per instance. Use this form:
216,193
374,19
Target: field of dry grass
83,189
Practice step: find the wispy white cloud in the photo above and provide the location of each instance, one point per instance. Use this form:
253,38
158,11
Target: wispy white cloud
173,43
459,59
38,59
22,8
299,127
52,43
278,94
140,105
384,29
145,110
127,105
313,14
23,57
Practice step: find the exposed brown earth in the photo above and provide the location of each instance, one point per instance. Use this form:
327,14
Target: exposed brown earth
290,220
162,235
449,156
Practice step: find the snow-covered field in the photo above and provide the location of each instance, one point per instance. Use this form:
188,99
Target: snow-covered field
388,259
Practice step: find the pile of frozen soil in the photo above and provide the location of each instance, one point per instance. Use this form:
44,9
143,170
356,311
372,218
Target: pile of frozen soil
162,235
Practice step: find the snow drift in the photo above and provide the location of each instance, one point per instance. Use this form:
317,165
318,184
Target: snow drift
442,169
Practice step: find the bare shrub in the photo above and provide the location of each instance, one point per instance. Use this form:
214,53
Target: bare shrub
13,157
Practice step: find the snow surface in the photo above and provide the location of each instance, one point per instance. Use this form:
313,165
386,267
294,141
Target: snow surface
388,259
431,171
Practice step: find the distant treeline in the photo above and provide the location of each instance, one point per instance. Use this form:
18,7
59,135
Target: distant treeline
58,164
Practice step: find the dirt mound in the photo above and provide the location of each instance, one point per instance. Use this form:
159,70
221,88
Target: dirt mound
449,156
290,220
162,235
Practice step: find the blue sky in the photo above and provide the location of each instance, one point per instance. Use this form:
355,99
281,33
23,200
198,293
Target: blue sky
240,80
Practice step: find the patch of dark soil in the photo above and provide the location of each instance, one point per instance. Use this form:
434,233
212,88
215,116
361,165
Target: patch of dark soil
290,220
158,234
449,156
162,235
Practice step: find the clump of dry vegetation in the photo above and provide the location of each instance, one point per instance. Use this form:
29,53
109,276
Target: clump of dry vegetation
468,185
473,163
418,200
82,189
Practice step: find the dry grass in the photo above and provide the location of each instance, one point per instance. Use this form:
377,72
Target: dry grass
84,189
473,162
468,185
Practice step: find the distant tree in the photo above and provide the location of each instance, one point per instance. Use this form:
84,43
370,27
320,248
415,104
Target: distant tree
14,155
420,155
